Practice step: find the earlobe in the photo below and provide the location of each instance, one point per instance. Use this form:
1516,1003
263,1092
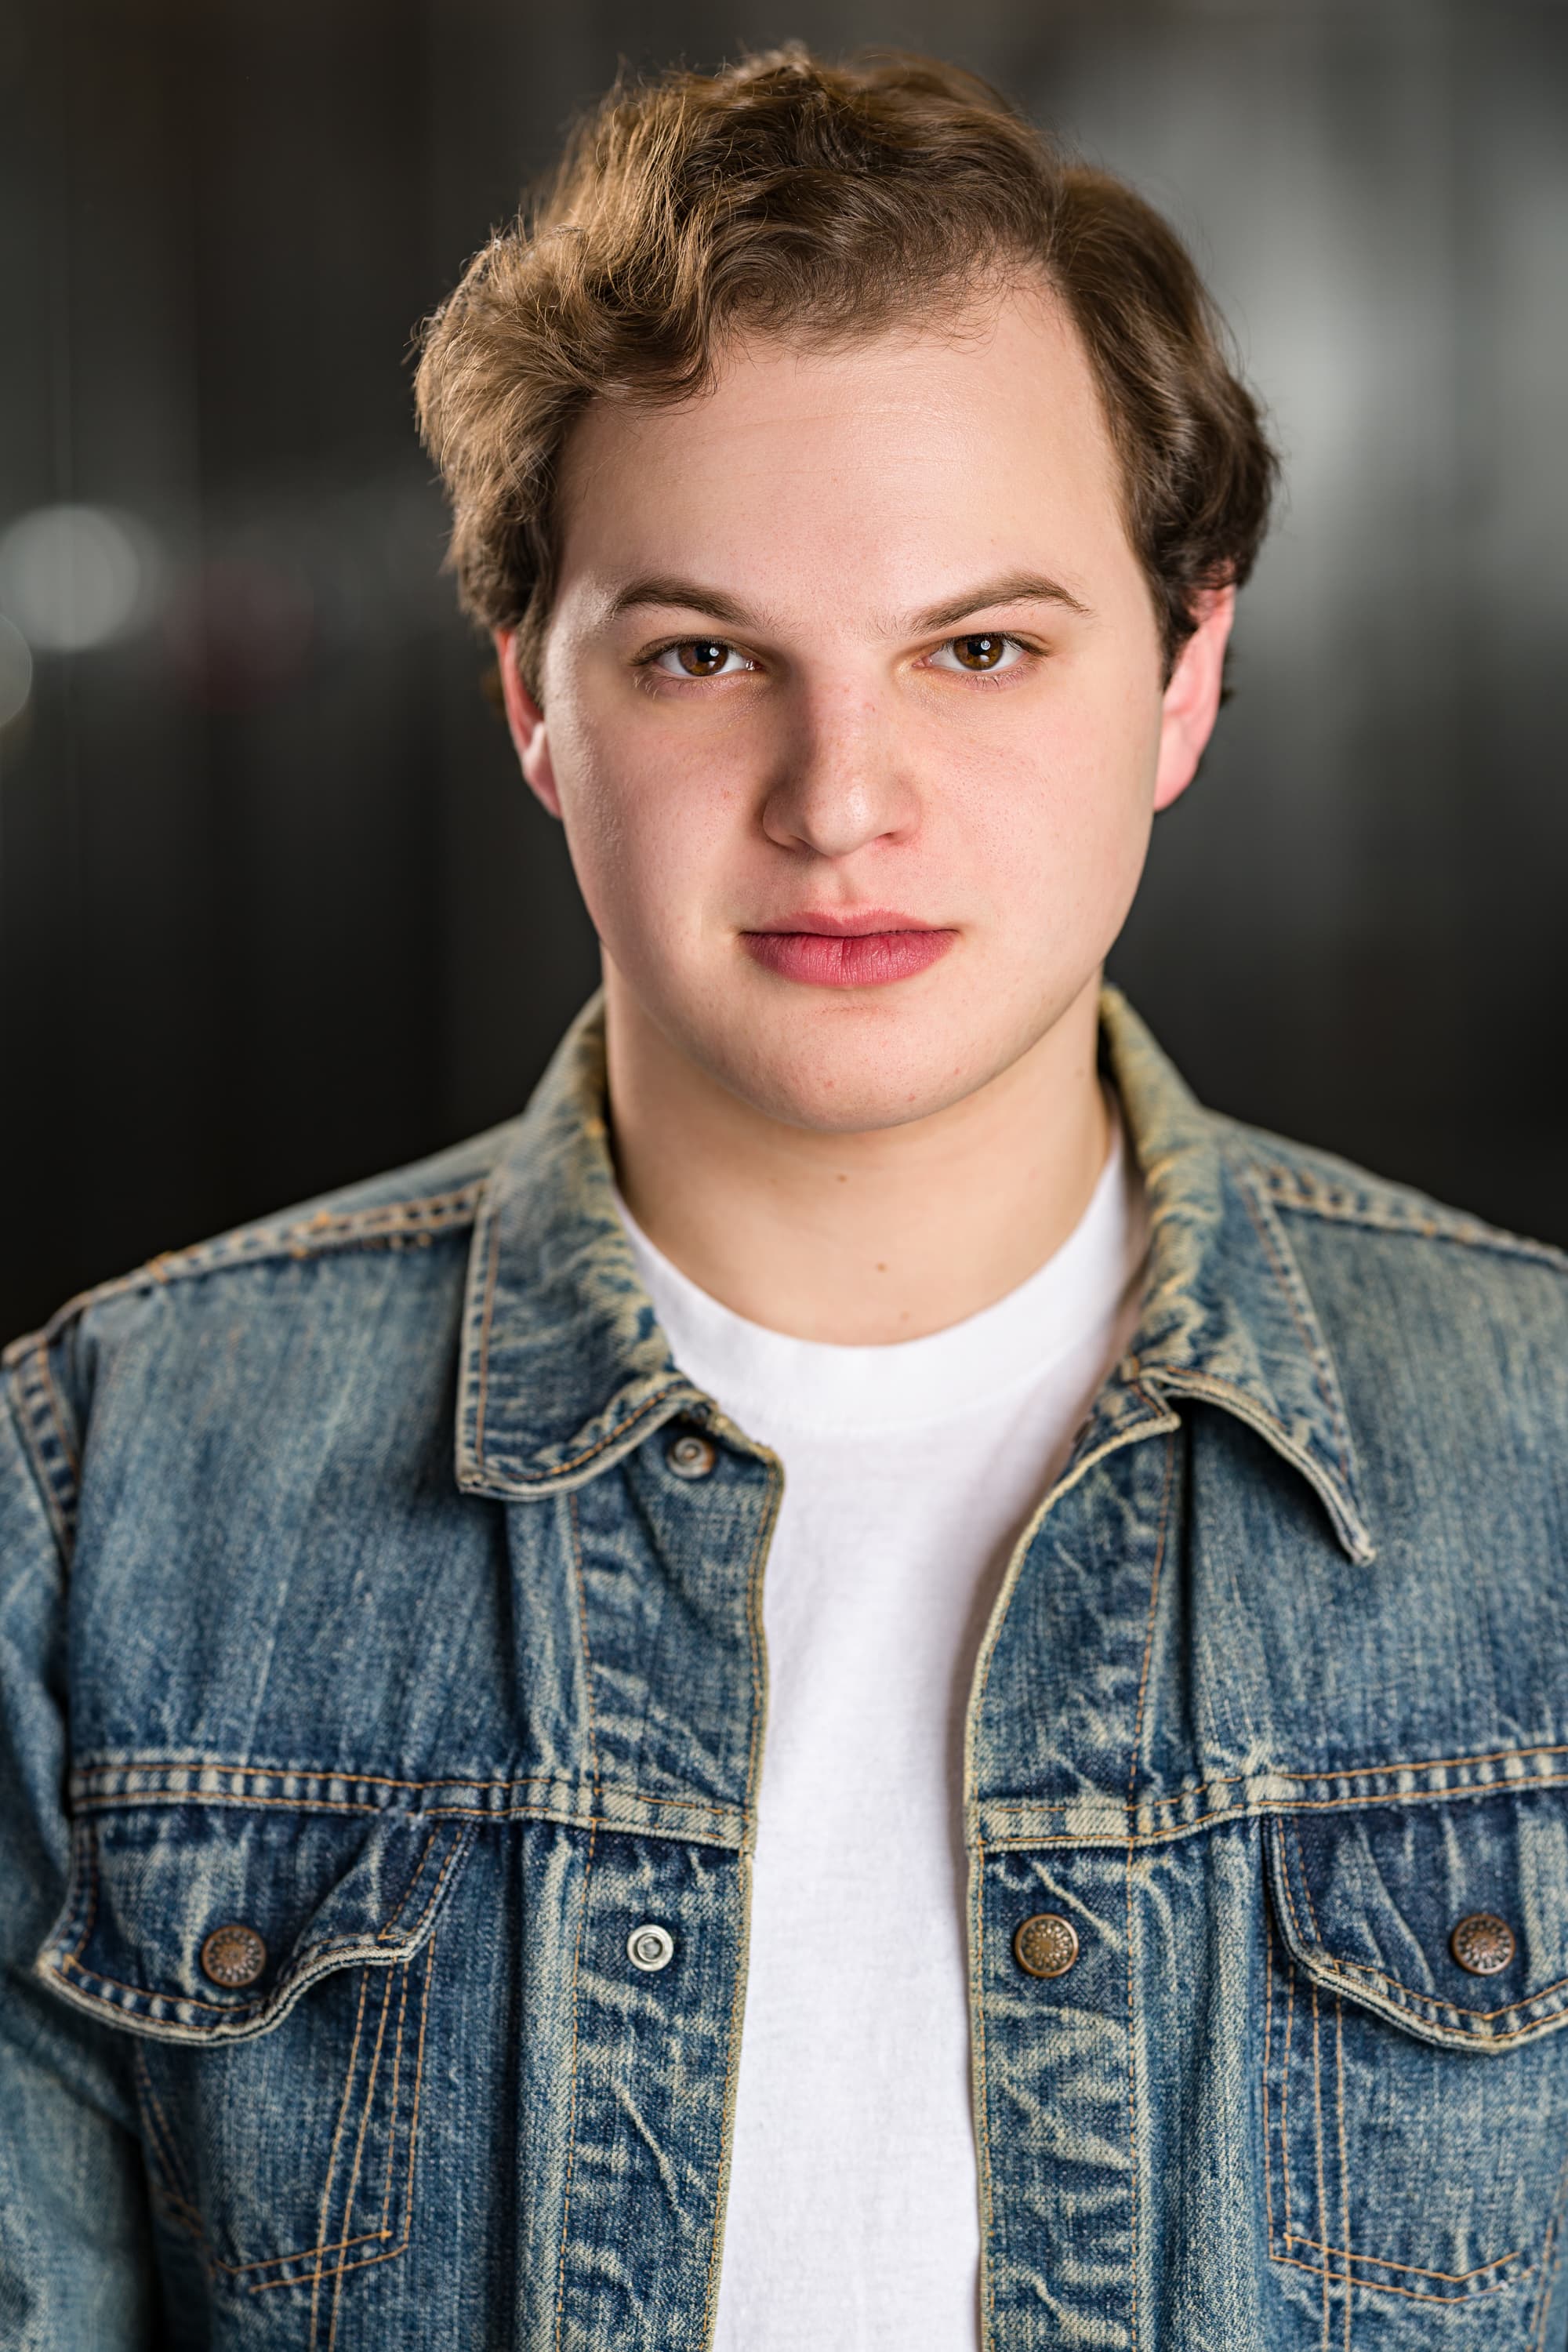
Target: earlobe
1192,699
525,721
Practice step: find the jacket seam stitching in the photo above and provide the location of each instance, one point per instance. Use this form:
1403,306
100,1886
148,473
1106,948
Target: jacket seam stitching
1127,1873
1410,2270
732,2055
985,2105
125,1798
57,1493
321,1237
571,2124
1417,2003
1267,2057
1289,1772
492,1267
1385,2286
1550,2256
246,2012
325,2207
348,2220
1271,1811
1317,2150
190,2219
1344,2157
1298,1301
1291,1190
611,1436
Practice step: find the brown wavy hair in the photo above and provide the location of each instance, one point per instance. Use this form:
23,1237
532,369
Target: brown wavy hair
785,194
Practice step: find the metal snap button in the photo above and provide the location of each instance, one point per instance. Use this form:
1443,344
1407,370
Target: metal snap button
234,1956
1046,1944
651,1947
1482,1943
690,1457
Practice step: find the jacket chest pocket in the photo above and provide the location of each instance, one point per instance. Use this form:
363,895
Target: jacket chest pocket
1416,2069
275,1970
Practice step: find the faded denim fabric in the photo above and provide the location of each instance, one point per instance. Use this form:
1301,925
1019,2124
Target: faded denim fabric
350,1592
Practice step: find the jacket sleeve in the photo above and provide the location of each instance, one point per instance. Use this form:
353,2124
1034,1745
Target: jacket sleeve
75,2257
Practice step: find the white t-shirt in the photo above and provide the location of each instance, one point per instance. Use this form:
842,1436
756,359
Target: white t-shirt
910,1473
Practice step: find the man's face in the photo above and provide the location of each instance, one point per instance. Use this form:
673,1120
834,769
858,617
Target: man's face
859,632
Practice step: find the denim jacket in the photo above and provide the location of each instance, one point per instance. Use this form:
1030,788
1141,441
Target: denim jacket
381,1659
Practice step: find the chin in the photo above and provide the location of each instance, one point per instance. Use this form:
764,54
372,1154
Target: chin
853,1090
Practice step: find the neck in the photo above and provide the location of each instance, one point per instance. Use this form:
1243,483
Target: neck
860,1239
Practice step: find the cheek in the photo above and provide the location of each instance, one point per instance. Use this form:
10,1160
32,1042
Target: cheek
1065,809
641,836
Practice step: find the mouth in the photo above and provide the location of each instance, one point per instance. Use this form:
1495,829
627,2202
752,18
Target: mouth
861,922
864,949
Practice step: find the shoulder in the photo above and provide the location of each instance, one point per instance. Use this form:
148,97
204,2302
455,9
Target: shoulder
379,1263
435,1195
1317,1187
1416,1297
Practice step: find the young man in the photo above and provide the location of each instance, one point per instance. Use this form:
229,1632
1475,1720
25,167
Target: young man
867,1683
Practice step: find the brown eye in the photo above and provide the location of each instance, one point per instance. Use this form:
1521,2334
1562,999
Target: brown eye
701,657
980,653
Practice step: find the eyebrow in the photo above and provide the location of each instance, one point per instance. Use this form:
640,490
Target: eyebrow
683,595
1012,588
690,596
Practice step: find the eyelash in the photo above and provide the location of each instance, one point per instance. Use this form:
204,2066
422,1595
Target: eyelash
646,662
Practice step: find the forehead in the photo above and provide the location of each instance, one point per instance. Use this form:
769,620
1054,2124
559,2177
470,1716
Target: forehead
873,466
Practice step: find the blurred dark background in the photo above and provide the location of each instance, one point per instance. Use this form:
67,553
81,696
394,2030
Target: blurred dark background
277,910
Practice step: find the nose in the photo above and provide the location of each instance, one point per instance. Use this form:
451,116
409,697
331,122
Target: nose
841,781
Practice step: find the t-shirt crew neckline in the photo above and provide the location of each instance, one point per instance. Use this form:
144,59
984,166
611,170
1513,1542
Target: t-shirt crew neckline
814,1387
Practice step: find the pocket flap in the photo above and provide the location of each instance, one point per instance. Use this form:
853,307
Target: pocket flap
1379,1901
299,1892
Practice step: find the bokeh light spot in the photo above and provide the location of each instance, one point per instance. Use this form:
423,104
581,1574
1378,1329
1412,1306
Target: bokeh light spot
73,577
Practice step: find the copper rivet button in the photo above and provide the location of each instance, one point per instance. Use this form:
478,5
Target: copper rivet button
1482,1943
234,1956
1047,1944
690,1457
650,1948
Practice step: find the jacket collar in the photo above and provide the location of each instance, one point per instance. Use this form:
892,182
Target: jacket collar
564,1367
1226,1315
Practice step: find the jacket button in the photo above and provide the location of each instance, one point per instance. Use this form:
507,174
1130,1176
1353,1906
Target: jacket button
690,1457
1482,1943
1046,1946
234,1956
650,1948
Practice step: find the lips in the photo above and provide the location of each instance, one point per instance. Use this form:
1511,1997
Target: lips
866,949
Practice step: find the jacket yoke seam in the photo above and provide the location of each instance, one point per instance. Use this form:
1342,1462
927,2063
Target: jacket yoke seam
1294,1189
390,1225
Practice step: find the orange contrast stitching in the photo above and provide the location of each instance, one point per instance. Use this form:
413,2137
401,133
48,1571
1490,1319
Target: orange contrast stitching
1412,2270
1317,2150
332,2153
1383,2286
359,2147
572,2112
1132,1778
267,2287
1344,2165
732,2055
1417,2004
1285,2098
1268,2051
391,2104
123,1798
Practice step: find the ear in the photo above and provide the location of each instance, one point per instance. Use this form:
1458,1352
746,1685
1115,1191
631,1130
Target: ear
1192,699
526,721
